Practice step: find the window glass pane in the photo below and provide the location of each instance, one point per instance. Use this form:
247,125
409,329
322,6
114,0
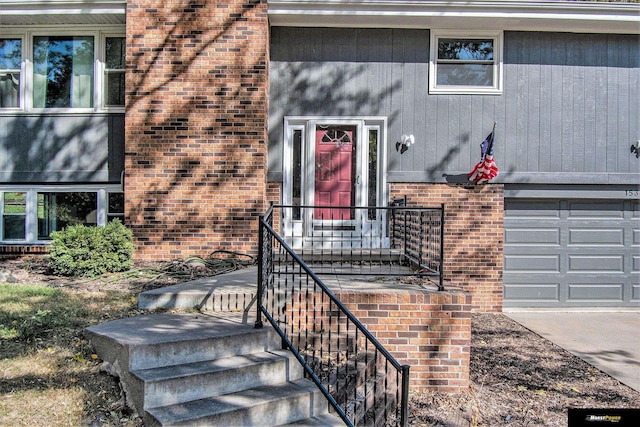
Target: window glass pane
10,61
15,203
63,72
14,216
114,71
114,88
116,203
116,206
465,74
465,49
297,172
10,54
114,53
372,198
13,227
58,210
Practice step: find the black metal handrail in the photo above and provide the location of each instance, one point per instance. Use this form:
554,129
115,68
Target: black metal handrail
395,240
361,380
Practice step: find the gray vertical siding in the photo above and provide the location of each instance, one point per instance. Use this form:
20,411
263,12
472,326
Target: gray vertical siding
61,148
568,113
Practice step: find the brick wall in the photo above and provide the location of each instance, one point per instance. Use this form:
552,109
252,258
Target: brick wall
474,228
196,125
431,331
428,330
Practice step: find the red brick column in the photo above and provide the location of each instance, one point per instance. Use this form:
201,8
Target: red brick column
474,235
196,125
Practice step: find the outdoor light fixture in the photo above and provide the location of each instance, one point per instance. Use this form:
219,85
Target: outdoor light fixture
635,148
405,142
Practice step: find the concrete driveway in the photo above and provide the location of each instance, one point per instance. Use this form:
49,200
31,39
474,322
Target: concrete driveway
608,341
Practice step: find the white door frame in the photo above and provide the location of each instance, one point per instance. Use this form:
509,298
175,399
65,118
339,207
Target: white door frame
305,127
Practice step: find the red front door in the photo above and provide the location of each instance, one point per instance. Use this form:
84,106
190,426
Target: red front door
334,172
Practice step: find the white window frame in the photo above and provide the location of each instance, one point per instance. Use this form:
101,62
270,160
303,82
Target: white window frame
26,72
496,36
31,220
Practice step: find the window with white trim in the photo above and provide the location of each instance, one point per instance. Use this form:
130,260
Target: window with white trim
30,215
469,63
54,70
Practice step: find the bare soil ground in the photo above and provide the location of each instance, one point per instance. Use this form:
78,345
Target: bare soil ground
520,379
517,377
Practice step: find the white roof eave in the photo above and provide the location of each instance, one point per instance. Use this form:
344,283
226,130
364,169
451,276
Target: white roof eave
564,16
62,12
53,7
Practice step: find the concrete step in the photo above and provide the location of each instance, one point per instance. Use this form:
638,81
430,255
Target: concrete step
325,420
208,368
182,383
260,406
229,292
159,340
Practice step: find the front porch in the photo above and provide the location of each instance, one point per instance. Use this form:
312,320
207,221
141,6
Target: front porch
360,304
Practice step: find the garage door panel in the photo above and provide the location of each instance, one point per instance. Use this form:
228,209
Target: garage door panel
531,263
635,293
529,209
596,236
595,292
595,264
547,292
636,237
532,236
635,264
579,209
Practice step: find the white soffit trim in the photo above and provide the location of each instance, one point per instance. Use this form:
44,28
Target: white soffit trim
563,16
16,12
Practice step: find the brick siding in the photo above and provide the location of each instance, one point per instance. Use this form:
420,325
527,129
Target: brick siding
428,330
196,125
474,229
431,331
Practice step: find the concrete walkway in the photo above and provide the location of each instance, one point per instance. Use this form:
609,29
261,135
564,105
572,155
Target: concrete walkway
610,341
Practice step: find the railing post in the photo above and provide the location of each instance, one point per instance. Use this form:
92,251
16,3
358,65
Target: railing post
421,237
404,404
258,324
404,230
441,283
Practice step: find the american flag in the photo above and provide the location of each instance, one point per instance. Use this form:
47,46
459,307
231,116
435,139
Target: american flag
486,169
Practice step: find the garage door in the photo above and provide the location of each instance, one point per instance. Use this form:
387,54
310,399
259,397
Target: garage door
571,253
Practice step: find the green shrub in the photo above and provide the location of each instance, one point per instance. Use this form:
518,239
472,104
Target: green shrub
79,250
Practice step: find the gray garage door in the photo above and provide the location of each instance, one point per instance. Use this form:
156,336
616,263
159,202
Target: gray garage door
571,253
